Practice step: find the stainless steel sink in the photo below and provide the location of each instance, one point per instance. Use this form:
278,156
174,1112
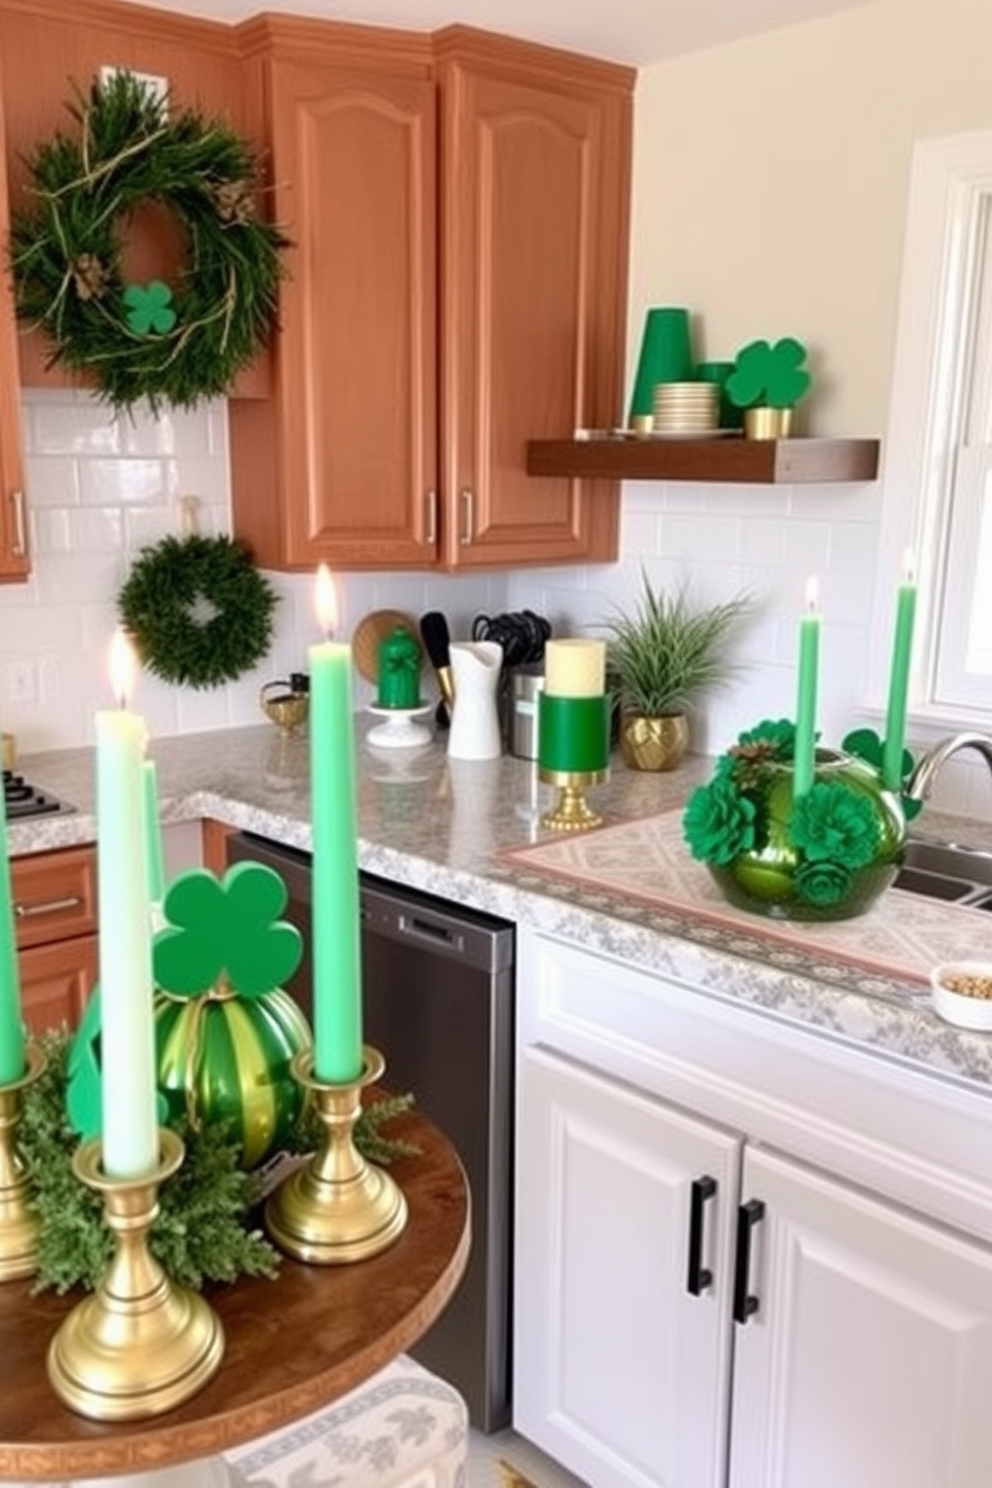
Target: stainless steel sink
947,871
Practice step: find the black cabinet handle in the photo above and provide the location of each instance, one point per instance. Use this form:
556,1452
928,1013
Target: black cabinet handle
748,1215
700,1277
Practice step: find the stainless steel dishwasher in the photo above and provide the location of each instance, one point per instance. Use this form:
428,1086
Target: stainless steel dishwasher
438,1001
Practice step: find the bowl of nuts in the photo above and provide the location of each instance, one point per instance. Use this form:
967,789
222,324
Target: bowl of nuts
962,993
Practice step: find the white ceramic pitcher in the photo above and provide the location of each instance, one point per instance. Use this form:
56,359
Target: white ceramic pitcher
475,733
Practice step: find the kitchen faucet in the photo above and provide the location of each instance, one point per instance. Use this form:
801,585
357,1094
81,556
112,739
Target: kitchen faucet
932,762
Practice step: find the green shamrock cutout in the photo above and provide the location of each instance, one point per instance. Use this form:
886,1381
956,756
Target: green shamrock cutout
83,1097
149,308
770,375
226,931
867,745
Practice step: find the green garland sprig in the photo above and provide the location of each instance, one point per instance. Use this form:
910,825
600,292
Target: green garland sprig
168,343
159,601
205,1230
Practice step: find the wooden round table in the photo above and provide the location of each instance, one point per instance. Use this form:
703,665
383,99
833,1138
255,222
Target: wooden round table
292,1344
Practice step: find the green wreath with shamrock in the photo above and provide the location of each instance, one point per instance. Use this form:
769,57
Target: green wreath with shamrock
173,344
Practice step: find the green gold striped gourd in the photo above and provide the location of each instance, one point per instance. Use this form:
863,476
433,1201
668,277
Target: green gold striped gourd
227,1058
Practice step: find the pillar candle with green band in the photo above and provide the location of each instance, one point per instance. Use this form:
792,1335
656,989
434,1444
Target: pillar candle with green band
573,733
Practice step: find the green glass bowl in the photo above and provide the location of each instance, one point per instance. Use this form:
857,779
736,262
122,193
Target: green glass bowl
775,880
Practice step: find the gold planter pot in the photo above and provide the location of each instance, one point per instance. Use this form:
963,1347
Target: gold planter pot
767,423
653,743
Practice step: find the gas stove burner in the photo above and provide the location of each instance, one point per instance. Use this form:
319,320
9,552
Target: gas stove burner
22,799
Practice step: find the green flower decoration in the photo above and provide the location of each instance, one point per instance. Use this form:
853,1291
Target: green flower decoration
769,375
833,823
149,308
780,733
822,883
718,822
226,930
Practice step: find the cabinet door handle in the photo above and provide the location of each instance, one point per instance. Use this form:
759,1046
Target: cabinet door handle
748,1215
47,906
700,1276
20,544
430,536
469,525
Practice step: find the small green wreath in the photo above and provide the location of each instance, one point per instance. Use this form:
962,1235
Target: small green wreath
199,611
173,344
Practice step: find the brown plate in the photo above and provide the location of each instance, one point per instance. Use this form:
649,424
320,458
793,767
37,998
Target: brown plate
370,634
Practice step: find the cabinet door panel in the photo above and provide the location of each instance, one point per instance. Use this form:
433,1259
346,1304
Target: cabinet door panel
14,562
529,314
354,168
56,981
869,1360
610,1345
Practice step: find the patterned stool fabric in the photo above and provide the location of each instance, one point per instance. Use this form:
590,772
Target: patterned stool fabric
404,1428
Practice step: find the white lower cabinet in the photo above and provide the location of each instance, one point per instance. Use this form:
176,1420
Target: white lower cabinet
693,1310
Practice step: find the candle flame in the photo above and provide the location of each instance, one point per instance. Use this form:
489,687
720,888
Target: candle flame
812,592
327,601
909,566
123,665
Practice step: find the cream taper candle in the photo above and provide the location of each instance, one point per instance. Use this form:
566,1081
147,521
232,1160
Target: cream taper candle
127,1039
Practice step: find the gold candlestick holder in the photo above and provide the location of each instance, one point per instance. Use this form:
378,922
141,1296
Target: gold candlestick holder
19,1223
572,813
337,1207
141,1344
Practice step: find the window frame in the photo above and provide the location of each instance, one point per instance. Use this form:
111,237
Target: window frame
949,210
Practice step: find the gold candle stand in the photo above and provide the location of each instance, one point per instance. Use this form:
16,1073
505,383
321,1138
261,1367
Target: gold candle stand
141,1344
19,1223
337,1207
572,813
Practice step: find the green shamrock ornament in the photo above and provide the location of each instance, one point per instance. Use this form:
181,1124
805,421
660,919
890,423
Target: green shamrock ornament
867,745
226,931
770,375
149,309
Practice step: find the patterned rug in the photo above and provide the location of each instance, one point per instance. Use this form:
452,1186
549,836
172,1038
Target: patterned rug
902,935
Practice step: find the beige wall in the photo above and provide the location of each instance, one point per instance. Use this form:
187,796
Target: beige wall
770,182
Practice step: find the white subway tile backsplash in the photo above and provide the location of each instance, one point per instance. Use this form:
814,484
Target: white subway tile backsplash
53,480
103,481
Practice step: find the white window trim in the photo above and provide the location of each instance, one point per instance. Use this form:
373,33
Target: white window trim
946,174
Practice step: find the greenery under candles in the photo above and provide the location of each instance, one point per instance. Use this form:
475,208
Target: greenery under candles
205,1230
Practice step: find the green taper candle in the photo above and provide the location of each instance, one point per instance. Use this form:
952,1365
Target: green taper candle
902,650
337,972
153,835
12,1063
809,662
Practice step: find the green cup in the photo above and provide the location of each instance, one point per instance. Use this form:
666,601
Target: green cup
666,356
731,417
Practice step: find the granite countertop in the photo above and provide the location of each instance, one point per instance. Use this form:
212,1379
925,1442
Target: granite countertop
457,829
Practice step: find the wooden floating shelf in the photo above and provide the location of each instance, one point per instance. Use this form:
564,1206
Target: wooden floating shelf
747,461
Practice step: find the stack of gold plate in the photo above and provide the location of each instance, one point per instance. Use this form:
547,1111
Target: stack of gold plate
687,408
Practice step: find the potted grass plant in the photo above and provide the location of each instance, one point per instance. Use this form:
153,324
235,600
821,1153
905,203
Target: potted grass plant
662,655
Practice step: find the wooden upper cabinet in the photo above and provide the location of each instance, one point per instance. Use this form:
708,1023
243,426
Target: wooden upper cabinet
14,560
340,463
433,324
535,150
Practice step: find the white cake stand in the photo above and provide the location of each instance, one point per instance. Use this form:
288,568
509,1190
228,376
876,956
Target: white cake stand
399,730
